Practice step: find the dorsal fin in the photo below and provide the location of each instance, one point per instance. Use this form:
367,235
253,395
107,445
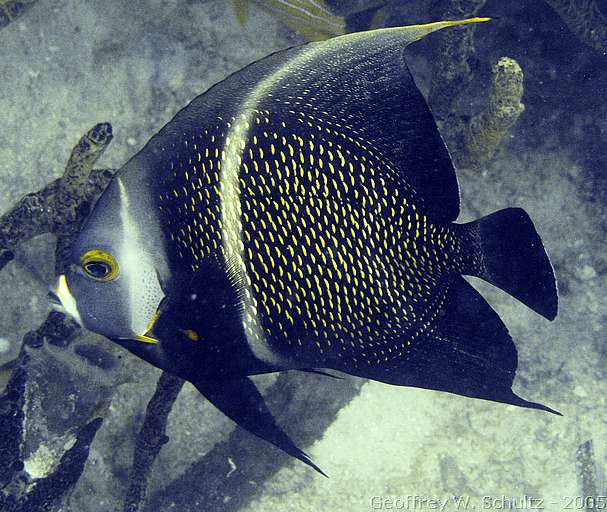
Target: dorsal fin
362,81
359,80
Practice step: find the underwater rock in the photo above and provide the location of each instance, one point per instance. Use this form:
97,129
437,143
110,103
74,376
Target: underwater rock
10,10
96,356
585,20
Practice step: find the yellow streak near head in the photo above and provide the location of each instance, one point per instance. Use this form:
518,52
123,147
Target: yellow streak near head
191,334
147,337
66,298
144,338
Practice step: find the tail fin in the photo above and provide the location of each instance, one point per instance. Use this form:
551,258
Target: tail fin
509,253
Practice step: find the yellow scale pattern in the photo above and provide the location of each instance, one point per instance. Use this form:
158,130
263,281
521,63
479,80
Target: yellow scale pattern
192,203
341,259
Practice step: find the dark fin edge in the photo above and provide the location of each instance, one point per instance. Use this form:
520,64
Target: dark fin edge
467,351
240,400
320,372
521,402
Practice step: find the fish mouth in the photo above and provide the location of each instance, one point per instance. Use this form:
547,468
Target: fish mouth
62,300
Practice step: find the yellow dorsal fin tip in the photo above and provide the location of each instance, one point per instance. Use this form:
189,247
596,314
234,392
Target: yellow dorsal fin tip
449,23
473,20
417,32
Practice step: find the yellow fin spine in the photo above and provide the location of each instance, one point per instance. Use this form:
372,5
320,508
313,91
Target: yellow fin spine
417,32
412,33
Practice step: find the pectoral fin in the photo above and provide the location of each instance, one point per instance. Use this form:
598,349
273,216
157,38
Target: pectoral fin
240,400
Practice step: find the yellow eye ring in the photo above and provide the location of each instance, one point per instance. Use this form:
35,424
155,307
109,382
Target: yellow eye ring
99,265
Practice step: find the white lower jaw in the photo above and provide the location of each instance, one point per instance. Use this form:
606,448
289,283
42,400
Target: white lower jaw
68,302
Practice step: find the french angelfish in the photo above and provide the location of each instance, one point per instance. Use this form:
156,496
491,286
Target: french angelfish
299,215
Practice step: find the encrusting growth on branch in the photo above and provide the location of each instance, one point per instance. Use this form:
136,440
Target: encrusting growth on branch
472,143
61,206
486,130
151,438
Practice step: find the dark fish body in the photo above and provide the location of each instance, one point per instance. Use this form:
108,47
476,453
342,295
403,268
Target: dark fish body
335,254
303,215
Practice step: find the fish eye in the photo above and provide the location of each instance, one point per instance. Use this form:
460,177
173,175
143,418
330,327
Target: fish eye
99,265
97,269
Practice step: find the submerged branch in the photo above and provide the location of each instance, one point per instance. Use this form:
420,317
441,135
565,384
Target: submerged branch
11,425
586,471
151,438
228,476
451,66
61,206
472,143
58,208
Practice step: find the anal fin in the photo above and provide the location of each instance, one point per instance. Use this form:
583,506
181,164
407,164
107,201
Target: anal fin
468,351
240,400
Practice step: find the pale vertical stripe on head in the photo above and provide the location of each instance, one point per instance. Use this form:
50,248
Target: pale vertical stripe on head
144,291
